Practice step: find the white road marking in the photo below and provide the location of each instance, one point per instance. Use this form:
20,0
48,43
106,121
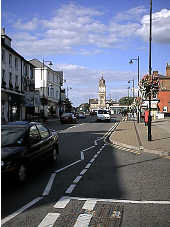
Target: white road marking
88,148
124,201
95,156
83,220
62,202
92,160
70,189
49,185
89,205
6,219
82,155
59,170
77,179
83,171
88,165
49,220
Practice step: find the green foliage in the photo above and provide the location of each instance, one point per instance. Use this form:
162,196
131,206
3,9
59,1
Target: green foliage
126,100
84,107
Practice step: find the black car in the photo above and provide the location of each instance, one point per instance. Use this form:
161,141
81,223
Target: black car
68,118
24,144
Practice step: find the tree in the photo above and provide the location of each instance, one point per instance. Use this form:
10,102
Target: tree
126,100
84,107
68,105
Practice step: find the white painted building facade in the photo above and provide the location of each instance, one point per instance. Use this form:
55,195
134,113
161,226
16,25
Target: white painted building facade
48,82
17,77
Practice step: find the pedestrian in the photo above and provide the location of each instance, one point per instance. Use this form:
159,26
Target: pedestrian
146,116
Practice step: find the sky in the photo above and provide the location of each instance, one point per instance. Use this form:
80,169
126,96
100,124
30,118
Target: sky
88,39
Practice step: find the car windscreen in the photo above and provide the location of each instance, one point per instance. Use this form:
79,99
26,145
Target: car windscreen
103,112
9,136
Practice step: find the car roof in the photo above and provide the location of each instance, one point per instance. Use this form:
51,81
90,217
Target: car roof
19,124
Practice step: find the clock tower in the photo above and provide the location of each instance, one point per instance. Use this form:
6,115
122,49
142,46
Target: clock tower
102,94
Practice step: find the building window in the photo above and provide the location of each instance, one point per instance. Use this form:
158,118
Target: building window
25,69
16,82
52,92
16,63
10,59
10,81
3,56
57,94
31,73
3,84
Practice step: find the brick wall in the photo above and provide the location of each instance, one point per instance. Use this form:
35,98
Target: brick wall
167,70
164,97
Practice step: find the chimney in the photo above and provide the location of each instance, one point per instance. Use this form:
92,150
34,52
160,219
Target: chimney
167,70
6,39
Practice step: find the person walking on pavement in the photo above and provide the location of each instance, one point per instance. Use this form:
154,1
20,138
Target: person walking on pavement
146,116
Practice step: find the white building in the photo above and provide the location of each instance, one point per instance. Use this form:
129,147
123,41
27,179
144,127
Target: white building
49,83
17,78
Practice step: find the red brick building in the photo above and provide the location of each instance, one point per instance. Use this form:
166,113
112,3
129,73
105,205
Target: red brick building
164,92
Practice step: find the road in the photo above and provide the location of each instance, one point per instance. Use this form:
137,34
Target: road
93,184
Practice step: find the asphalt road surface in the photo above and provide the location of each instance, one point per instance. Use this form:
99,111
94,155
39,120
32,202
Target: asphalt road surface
94,184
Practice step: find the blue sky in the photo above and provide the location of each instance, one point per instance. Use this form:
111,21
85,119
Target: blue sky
87,39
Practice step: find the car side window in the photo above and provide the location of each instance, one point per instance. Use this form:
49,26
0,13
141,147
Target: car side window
34,134
44,132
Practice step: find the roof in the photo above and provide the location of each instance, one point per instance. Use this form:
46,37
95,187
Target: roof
14,52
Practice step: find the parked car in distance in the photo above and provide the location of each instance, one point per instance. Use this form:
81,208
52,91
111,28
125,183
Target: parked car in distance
23,145
82,115
103,115
68,118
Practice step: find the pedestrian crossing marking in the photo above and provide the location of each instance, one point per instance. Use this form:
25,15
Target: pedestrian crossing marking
49,220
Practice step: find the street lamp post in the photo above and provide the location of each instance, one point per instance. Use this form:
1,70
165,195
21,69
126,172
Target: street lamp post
150,74
138,110
133,91
50,63
68,88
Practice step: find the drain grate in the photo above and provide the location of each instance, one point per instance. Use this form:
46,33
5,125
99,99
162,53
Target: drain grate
107,215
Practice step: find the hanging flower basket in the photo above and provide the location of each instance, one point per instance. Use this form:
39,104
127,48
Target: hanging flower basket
149,85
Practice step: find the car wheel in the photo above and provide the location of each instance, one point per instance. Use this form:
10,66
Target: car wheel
22,173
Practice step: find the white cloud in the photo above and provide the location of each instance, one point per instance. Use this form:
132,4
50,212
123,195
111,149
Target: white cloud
160,27
31,25
72,26
84,82
131,14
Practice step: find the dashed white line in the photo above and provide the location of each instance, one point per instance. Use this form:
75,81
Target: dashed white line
88,165
92,160
77,179
49,220
83,171
63,201
70,189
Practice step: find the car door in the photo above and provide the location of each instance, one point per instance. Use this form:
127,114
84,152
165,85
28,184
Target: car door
46,140
34,143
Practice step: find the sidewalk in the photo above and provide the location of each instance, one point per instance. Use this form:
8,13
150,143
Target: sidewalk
134,135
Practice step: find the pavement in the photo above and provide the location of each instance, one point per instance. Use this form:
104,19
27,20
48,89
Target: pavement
133,135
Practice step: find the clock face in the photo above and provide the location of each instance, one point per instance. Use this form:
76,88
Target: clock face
101,89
